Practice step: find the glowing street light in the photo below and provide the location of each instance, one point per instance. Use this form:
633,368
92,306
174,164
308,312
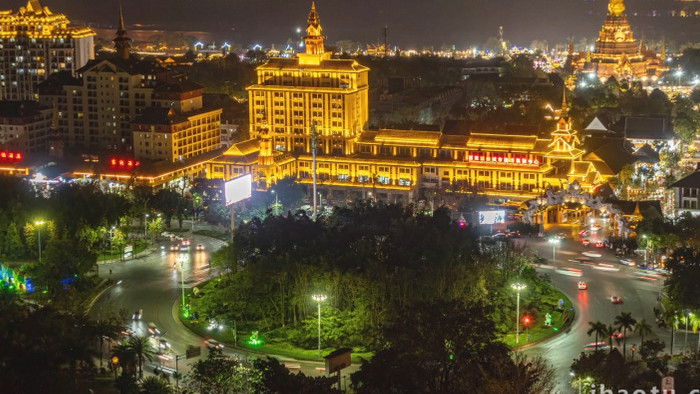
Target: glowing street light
679,73
554,242
518,287
319,298
38,224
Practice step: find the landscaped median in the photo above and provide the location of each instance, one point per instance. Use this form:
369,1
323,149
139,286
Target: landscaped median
534,329
535,326
249,340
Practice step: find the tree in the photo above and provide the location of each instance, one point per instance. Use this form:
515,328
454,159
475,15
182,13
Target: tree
643,329
681,286
670,317
142,349
275,378
105,329
597,328
624,321
220,374
14,248
155,385
444,347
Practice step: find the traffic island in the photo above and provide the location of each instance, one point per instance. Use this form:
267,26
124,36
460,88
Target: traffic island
538,327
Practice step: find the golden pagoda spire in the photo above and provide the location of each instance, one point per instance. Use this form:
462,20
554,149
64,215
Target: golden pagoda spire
642,46
663,48
571,45
564,108
616,7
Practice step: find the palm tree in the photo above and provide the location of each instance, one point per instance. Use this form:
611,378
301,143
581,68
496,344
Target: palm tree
141,346
624,322
598,329
155,385
670,316
643,329
126,357
609,331
105,329
695,322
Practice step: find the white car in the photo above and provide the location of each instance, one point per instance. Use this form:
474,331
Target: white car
213,344
629,262
592,254
595,227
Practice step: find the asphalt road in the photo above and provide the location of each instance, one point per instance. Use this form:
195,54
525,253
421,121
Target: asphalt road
638,290
152,282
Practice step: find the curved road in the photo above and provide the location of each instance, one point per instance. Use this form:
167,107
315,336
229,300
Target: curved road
637,288
151,283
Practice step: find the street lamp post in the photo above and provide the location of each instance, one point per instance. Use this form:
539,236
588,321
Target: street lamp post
679,72
517,287
145,226
111,240
38,224
319,298
685,341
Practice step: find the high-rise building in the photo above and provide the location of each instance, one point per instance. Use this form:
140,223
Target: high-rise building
617,53
35,43
131,105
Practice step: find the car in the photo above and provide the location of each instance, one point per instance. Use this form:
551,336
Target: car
629,262
174,248
513,234
185,242
599,244
152,329
595,227
184,248
586,242
582,285
584,233
498,235
591,254
163,344
200,247
616,335
593,345
137,315
560,236
616,300
213,344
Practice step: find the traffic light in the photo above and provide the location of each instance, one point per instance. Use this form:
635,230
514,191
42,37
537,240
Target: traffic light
526,321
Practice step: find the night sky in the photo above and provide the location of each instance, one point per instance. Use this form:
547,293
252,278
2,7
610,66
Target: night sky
412,23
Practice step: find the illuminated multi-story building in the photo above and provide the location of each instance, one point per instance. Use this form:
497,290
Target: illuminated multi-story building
134,106
35,43
617,53
295,98
179,127
24,126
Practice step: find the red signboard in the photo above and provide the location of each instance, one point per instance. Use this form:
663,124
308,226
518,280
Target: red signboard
123,163
10,156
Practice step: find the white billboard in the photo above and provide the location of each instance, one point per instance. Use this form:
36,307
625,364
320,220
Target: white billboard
492,217
238,189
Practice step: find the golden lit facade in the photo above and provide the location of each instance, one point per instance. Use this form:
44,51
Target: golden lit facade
295,96
34,43
617,53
